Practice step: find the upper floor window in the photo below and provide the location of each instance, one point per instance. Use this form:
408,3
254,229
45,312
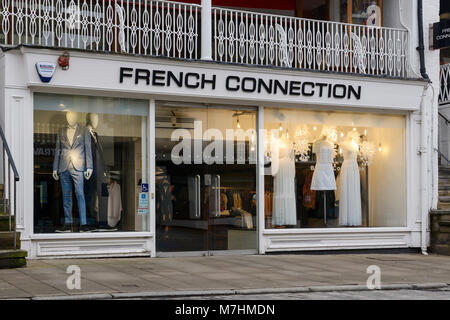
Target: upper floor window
363,12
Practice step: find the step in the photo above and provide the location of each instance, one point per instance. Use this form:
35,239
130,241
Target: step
440,212
12,259
444,223
444,169
444,199
444,193
443,206
4,222
7,240
444,186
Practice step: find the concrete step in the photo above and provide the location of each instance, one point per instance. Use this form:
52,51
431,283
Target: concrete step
12,259
444,193
444,199
444,186
444,170
7,240
443,205
4,222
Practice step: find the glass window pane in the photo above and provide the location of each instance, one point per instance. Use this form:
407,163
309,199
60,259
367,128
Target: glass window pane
334,169
90,158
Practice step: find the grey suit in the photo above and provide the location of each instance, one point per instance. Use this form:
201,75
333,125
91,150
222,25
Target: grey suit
71,161
79,153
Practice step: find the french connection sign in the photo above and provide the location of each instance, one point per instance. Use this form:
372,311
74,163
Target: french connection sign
243,85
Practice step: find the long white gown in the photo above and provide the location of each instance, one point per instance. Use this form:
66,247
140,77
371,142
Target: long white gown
323,177
349,188
284,208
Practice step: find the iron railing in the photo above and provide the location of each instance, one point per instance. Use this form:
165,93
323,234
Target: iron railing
10,176
266,39
144,27
444,140
444,89
171,29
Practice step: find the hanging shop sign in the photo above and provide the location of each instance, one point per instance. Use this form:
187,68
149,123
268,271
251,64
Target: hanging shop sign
242,84
441,34
45,70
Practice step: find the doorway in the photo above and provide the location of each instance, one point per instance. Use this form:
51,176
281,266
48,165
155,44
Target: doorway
205,177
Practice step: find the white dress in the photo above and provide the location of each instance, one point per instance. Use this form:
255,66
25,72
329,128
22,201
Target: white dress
323,177
349,188
284,208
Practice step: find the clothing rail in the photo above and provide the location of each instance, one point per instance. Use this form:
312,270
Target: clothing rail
9,173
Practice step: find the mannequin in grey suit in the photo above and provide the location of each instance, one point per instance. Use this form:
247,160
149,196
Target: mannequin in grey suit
73,163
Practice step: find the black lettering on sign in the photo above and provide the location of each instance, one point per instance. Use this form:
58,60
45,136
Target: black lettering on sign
308,92
262,83
339,94
125,73
192,85
283,89
212,81
143,74
178,81
357,94
294,88
159,78
249,84
229,87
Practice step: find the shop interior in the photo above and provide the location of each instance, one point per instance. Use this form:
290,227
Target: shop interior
207,201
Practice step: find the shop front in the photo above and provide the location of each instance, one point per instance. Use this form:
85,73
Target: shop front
130,156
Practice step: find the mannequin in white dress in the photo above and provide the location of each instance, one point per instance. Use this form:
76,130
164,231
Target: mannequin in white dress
284,208
349,185
323,177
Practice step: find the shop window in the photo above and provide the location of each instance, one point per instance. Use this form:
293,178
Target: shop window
90,159
362,12
334,169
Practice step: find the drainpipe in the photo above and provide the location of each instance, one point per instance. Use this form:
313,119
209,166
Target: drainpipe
424,132
421,47
206,51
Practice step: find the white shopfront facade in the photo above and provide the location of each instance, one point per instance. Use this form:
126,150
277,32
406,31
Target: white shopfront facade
131,77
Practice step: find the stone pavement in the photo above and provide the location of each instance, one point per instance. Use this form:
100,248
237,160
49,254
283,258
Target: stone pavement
222,275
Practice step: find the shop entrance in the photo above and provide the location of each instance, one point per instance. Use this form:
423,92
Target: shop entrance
205,180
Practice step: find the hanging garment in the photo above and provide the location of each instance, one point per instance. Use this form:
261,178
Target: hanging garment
95,189
284,208
223,202
164,200
114,204
349,188
323,177
309,196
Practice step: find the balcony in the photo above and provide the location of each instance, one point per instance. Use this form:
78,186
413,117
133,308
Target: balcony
190,32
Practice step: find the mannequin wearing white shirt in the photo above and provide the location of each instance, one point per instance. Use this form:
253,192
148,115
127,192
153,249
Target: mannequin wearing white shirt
71,118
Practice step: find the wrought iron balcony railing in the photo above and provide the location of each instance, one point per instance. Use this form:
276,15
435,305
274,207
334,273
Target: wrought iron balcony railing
172,29
263,39
444,91
145,27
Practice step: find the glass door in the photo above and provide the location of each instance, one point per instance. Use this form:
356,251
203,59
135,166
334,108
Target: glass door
205,179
